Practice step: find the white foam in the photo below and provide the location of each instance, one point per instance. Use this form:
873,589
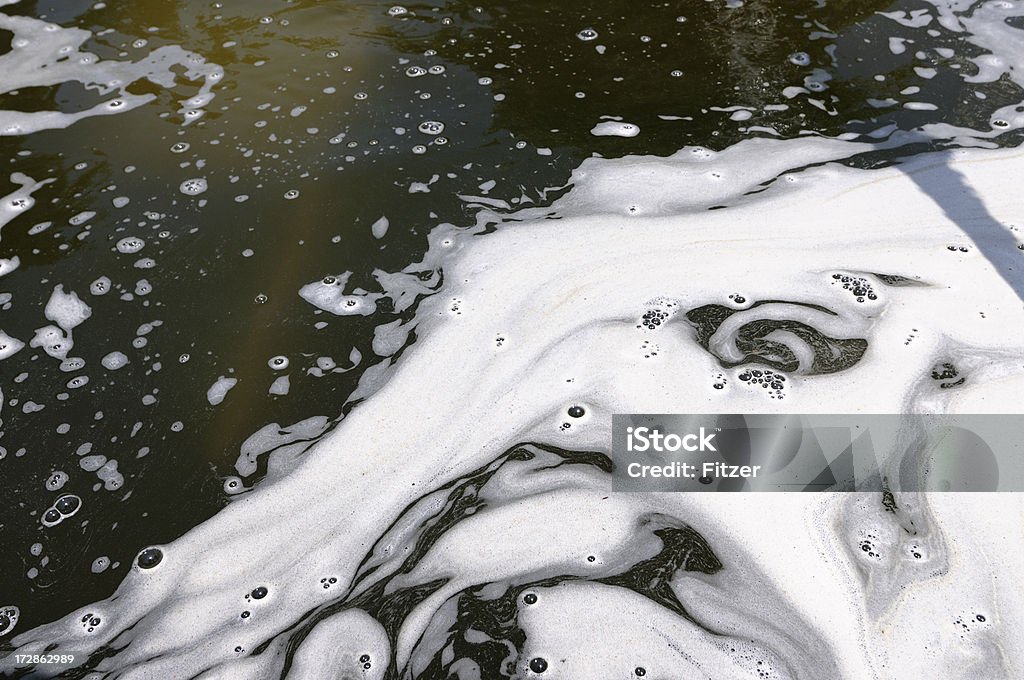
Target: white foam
114,361
45,54
219,389
329,295
9,346
567,296
8,265
66,309
21,199
380,228
610,128
53,340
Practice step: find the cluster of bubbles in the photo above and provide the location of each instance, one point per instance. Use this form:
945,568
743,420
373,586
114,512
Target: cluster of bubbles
66,506
965,623
946,374
868,548
9,616
90,622
652,318
431,127
417,71
193,186
56,480
650,349
129,245
858,286
769,380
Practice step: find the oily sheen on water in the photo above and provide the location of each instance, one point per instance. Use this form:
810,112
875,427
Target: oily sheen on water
486,517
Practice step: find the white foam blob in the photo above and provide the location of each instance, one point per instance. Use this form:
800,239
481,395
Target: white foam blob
53,340
610,128
285,442
66,309
100,286
280,386
219,389
9,264
21,199
129,245
114,361
380,228
9,346
329,295
193,186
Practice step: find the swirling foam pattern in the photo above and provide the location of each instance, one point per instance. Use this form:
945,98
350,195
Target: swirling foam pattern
474,533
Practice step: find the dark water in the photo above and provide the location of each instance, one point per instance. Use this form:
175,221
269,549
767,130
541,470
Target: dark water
232,313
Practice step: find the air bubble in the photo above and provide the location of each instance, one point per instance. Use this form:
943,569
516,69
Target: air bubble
278,363
587,34
68,505
149,558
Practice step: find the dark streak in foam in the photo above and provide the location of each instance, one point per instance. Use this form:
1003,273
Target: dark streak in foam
391,609
830,354
683,549
897,281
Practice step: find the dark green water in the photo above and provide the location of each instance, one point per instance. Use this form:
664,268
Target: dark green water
548,89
